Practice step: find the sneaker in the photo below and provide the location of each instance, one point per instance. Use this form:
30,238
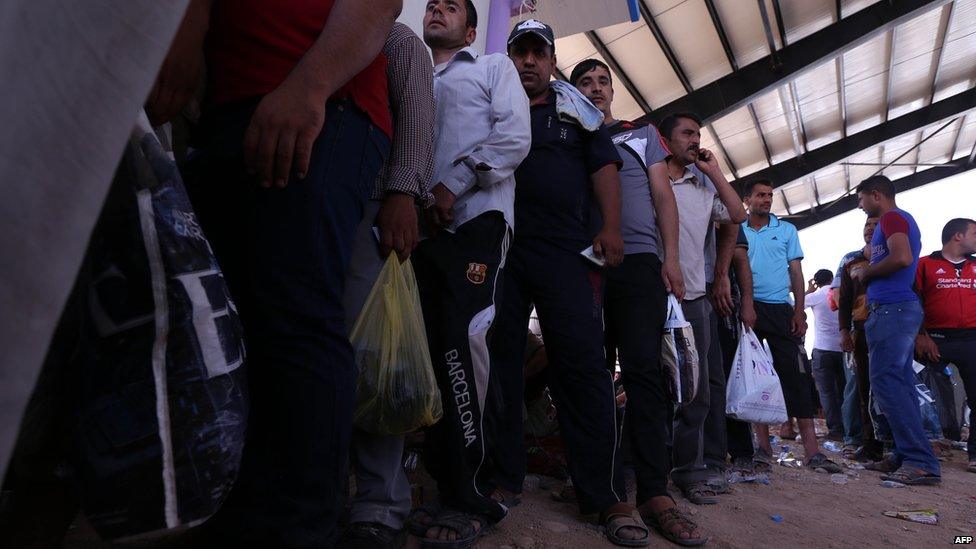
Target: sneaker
868,453
367,535
849,451
762,459
886,465
820,461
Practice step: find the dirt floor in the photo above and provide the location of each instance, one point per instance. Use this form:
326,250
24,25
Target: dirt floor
815,513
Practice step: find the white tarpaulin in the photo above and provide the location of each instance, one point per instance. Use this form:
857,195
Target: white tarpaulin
75,74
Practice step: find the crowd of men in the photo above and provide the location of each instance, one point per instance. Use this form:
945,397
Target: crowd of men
324,120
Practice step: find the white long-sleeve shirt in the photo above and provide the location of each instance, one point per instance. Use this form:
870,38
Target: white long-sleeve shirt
483,133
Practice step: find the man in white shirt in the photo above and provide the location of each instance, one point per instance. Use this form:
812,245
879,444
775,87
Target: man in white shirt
828,356
482,135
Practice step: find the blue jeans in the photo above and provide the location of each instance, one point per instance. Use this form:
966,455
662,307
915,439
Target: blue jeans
891,331
851,409
828,372
284,253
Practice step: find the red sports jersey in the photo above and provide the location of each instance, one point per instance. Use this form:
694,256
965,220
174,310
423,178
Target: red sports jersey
949,296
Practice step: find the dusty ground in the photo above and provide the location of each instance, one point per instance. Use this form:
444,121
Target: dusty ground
815,511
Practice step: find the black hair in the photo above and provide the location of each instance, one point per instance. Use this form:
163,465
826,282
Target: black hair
878,183
823,277
586,66
670,122
954,227
752,185
472,21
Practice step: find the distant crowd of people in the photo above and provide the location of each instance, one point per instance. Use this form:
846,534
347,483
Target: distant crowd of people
329,139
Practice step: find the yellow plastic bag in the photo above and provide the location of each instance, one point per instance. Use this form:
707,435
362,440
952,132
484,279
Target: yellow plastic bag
396,391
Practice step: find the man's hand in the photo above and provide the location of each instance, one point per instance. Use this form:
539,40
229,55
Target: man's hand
926,349
610,246
798,324
707,162
861,273
674,281
397,222
846,341
183,69
747,314
283,129
722,295
811,286
441,214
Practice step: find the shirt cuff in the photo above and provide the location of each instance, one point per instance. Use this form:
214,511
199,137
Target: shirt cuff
460,179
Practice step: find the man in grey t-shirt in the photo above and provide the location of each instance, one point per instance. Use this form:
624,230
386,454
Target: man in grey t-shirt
635,303
704,198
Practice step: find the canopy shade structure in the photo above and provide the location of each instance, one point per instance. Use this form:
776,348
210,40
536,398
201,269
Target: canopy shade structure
813,95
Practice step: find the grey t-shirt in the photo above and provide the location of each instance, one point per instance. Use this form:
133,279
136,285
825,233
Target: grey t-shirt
639,147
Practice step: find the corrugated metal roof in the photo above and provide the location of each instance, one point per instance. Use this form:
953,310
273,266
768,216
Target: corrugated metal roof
679,46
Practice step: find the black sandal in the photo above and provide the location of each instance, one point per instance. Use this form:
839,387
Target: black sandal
614,522
913,476
663,523
460,523
414,523
498,495
700,493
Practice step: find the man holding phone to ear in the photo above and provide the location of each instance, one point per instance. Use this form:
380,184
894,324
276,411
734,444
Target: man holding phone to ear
704,198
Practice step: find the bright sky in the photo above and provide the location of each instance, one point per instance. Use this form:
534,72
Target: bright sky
931,205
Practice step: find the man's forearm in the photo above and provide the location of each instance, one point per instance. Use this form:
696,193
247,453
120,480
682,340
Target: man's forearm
796,282
665,208
606,187
352,37
725,248
743,274
728,196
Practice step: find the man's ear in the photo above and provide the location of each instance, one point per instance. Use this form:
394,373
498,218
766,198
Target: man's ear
470,36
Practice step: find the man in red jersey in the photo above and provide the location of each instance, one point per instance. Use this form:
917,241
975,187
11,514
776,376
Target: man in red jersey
946,282
294,129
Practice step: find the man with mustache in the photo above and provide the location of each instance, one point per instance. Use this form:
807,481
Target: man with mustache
636,301
704,197
571,161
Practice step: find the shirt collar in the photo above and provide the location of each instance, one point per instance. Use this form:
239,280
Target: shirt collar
467,51
688,177
773,223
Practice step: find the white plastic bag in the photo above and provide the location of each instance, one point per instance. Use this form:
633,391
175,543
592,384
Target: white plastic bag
679,355
753,392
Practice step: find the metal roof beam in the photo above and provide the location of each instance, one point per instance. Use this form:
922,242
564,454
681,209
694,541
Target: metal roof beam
797,168
807,218
722,36
742,86
665,47
601,48
891,76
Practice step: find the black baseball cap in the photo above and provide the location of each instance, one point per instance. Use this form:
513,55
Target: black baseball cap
536,27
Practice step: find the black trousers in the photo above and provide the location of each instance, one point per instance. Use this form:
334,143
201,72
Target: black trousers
635,311
773,326
738,433
568,295
284,254
961,351
459,274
